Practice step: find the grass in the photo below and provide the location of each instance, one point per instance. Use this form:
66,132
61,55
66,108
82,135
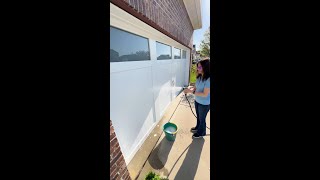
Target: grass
193,73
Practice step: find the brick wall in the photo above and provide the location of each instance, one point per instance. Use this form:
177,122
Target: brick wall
118,167
170,15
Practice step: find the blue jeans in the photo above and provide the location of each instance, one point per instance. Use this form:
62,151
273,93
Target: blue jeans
201,111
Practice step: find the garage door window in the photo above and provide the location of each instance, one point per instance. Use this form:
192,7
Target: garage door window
184,54
125,46
163,51
177,53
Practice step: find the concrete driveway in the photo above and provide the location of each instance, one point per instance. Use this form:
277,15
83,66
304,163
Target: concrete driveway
183,159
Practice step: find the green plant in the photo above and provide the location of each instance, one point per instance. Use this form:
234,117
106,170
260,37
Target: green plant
153,176
193,73
205,45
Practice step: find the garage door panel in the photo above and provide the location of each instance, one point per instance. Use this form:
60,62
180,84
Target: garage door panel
162,87
131,106
177,78
182,70
127,66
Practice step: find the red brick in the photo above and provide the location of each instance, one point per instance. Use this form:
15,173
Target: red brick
116,150
115,171
112,168
147,8
119,177
114,154
124,176
113,142
121,162
112,175
118,162
112,136
114,146
141,3
122,172
138,5
116,176
130,3
111,129
133,3
143,7
111,158
115,158
154,11
127,175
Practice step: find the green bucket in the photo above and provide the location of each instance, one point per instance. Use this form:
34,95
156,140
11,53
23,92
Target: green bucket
170,130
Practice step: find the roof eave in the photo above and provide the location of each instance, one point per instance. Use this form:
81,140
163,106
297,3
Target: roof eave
194,11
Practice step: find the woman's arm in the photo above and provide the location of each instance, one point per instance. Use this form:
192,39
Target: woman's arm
206,89
205,92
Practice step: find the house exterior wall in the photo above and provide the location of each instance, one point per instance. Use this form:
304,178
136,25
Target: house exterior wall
140,75
170,15
172,20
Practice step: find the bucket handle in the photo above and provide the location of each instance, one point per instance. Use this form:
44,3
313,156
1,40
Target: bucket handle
174,133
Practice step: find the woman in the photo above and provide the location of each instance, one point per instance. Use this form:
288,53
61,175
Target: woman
201,90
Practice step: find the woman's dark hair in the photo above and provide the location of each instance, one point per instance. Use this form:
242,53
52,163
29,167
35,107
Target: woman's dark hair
205,63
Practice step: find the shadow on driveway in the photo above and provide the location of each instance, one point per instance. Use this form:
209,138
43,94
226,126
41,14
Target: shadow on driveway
190,164
159,155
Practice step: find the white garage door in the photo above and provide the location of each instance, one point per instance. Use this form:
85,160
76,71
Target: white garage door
178,70
147,71
162,76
